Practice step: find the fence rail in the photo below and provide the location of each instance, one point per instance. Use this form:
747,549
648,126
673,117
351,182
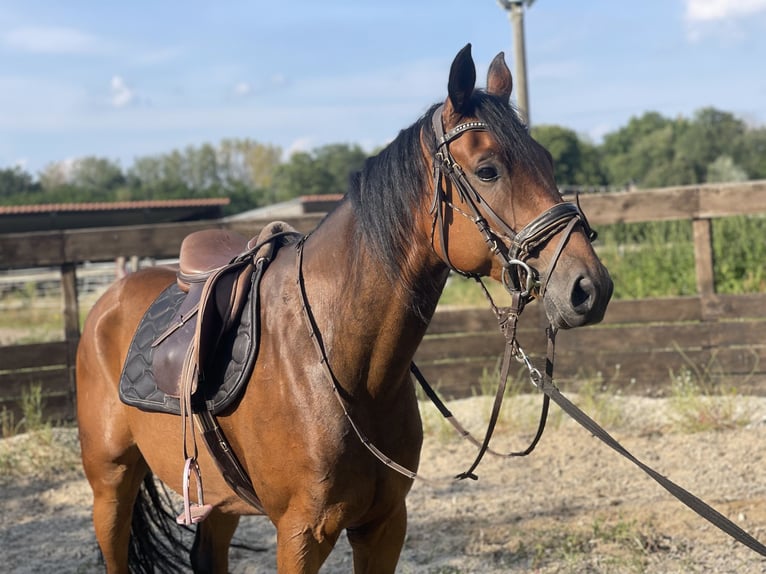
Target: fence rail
721,338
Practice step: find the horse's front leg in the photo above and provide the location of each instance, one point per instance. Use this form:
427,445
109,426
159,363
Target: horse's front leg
377,545
303,542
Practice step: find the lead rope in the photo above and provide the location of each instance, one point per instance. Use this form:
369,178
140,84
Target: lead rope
546,385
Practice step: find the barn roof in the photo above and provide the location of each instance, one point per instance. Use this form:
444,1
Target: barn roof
54,216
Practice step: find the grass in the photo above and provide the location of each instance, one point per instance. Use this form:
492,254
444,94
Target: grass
33,447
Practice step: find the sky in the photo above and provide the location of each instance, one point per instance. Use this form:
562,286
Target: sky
122,80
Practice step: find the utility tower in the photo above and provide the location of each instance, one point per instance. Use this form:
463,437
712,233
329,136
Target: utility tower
515,9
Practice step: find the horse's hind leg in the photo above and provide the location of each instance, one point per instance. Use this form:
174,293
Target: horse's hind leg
115,485
210,553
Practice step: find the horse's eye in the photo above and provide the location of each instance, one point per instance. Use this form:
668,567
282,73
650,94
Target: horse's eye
487,173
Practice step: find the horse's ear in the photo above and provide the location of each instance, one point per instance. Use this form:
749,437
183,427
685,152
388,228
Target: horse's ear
462,79
499,80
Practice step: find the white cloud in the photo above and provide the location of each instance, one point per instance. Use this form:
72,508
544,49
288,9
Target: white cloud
52,40
724,19
121,94
21,163
717,10
243,89
303,144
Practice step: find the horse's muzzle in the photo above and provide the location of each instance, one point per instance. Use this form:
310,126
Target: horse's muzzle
581,300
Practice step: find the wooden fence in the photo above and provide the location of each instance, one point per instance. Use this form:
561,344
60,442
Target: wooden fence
719,338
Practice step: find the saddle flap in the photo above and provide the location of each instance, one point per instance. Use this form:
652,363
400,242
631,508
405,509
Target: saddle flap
221,302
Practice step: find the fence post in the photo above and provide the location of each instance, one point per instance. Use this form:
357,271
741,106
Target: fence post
703,257
71,321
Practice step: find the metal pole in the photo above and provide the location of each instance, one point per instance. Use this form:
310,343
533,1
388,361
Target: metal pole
516,14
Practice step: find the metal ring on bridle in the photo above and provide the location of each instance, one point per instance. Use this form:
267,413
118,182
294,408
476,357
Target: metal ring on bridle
508,282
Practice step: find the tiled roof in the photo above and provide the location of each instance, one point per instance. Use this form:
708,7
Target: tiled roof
321,197
113,205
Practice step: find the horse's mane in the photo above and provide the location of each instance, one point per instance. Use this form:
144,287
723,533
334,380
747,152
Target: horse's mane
386,193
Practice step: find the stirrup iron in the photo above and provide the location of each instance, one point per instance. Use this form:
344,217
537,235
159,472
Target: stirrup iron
193,513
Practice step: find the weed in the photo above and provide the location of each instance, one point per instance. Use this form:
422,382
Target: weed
697,406
32,408
8,425
597,397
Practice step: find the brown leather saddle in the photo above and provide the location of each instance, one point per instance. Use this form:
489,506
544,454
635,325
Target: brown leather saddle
199,338
196,345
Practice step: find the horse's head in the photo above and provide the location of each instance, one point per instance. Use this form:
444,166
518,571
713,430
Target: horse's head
496,207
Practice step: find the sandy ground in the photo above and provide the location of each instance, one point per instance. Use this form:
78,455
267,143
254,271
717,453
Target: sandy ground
574,505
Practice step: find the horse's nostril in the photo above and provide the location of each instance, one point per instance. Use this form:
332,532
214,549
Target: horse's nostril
582,294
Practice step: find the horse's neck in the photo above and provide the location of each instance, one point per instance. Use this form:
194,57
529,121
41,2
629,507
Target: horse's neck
369,323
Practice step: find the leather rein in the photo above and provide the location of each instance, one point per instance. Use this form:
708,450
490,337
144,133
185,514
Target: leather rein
522,283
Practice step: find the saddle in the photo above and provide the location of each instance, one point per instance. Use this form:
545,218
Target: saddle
200,336
195,347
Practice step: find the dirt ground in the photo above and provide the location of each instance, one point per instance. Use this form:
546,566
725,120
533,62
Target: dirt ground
574,505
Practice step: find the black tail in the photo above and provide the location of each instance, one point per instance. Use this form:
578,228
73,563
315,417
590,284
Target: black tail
158,544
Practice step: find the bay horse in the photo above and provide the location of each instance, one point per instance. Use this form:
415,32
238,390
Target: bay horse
371,274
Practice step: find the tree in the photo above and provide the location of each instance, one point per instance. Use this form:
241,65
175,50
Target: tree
575,161
753,153
641,152
711,134
323,171
17,186
340,161
723,169
301,176
84,179
248,162
97,176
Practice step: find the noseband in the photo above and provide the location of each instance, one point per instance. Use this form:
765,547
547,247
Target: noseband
510,247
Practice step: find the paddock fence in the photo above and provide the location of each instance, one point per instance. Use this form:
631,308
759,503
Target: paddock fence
638,348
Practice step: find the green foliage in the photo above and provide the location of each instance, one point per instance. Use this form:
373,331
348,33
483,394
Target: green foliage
711,134
644,152
652,259
17,186
326,170
752,153
32,408
575,161
739,254
723,169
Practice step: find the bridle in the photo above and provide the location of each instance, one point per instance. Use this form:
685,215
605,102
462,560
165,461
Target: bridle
511,248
